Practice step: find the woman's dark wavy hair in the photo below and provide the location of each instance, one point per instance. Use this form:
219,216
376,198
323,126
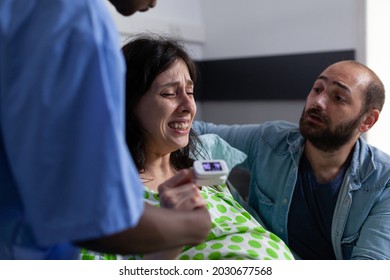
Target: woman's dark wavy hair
147,56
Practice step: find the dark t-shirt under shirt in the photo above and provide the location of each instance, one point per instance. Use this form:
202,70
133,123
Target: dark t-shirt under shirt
311,213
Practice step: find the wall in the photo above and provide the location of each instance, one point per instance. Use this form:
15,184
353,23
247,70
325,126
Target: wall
225,29
378,58
182,19
258,28
269,27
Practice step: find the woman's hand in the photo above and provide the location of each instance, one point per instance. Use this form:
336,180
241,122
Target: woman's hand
179,192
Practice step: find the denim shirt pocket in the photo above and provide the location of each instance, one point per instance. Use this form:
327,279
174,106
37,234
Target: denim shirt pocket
262,203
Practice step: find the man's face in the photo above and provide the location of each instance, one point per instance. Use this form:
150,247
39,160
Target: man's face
332,135
333,111
129,7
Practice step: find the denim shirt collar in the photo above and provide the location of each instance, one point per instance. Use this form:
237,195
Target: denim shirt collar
361,166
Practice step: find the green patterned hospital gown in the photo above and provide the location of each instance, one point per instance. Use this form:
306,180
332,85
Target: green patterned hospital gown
234,235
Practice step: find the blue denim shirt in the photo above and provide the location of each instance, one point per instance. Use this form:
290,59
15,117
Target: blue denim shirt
361,220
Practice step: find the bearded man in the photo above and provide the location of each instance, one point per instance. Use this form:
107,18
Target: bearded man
319,185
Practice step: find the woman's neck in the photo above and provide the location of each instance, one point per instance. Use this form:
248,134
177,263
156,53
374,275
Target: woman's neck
157,170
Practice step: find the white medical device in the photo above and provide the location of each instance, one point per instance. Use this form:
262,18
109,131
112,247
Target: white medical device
210,172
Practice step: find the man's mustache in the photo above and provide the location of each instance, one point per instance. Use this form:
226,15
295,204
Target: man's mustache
318,114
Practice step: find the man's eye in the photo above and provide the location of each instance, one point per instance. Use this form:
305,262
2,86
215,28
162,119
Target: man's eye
339,98
316,90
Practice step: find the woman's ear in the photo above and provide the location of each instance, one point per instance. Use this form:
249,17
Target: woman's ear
370,119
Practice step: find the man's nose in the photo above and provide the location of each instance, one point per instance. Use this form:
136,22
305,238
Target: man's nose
321,100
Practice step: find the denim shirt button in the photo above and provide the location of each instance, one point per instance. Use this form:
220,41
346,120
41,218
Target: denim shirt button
285,201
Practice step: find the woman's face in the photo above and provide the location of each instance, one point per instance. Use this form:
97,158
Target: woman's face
166,111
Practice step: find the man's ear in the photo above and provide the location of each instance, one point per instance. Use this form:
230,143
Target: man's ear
369,120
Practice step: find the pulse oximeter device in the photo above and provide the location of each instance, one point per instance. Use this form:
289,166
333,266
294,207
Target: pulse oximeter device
210,172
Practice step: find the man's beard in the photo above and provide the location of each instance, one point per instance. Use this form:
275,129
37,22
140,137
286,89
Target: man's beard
326,139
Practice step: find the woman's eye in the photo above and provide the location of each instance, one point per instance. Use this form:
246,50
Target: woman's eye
167,94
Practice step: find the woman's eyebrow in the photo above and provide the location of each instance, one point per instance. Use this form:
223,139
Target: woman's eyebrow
175,83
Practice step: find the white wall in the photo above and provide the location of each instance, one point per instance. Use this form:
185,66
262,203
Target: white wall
217,29
248,28
378,58
182,19
268,27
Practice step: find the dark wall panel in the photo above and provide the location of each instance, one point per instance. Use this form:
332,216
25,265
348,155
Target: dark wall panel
285,77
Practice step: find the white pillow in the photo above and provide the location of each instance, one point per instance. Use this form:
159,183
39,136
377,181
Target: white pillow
217,148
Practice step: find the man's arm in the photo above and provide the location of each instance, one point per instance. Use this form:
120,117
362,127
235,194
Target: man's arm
242,137
374,239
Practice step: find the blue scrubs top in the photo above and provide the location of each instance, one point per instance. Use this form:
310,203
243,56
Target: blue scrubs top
65,170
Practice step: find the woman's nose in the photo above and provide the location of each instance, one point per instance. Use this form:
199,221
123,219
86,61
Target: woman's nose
187,103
